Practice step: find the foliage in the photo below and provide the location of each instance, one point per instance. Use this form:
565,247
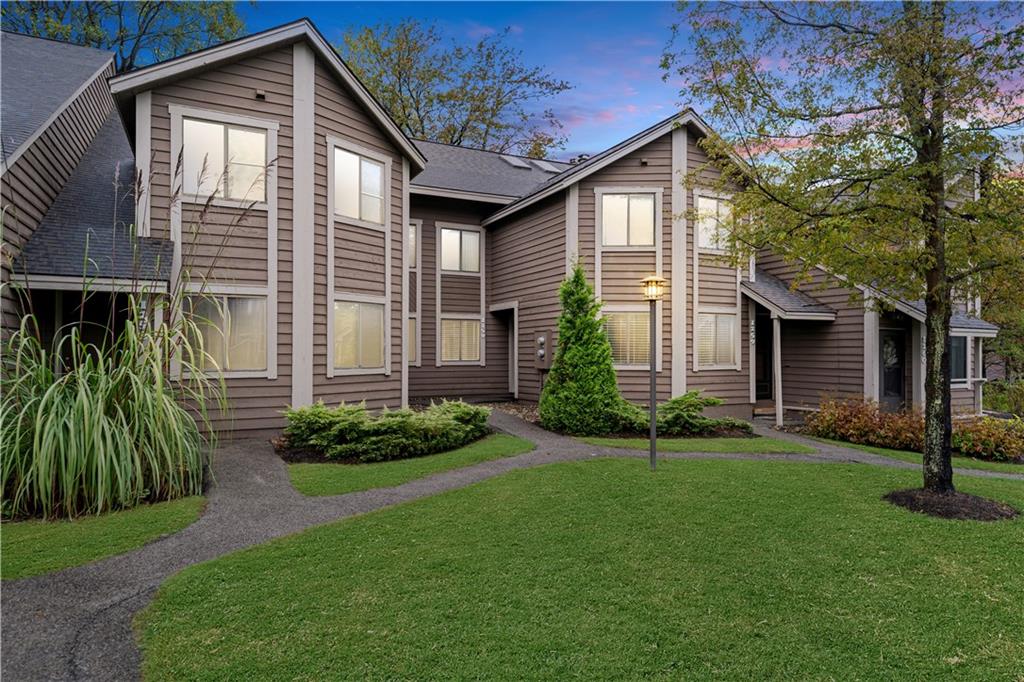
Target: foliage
350,432
1005,396
137,32
480,95
862,128
316,478
91,427
581,395
861,422
683,416
34,547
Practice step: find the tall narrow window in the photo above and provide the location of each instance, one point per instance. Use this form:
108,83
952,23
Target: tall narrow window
712,219
224,160
413,241
358,187
627,219
460,340
460,250
358,335
232,329
716,339
629,334
958,358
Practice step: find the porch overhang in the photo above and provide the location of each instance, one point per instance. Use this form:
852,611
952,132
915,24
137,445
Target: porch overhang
783,302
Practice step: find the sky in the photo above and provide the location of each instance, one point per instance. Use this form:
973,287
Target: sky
608,51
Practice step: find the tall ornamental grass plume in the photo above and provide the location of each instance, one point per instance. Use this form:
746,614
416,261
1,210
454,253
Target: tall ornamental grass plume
90,427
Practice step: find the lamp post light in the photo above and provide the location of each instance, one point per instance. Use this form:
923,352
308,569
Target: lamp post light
654,290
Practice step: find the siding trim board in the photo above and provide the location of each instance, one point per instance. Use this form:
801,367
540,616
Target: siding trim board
303,216
439,313
572,227
678,260
418,268
404,355
143,159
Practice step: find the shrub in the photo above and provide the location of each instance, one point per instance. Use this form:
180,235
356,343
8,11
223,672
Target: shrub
349,432
1005,396
989,438
581,396
683,416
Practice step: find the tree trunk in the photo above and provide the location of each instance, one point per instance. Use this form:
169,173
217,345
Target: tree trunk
938,423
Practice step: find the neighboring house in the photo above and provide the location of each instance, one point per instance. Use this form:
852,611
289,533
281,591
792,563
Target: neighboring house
357,264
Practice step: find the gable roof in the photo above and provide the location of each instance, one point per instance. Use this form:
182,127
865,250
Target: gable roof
595,163
40,78
463,172
124,86
787,303
88,226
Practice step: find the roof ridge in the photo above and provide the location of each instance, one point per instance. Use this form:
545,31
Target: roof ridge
488,151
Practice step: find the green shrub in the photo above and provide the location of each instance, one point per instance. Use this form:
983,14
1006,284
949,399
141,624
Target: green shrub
581,395
349,432
1004,396
989,438
683,416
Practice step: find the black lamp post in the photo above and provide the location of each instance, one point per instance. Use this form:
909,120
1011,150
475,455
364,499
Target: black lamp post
654,290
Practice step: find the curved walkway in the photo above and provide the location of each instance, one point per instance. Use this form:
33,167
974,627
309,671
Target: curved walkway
77,623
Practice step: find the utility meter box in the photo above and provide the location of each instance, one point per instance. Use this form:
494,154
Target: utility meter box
543,349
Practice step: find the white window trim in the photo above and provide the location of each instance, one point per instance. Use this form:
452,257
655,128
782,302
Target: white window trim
599,193
331,143
418,268
177,112
640,308
699,192
464,363
737,335
438,314
214,289
340,296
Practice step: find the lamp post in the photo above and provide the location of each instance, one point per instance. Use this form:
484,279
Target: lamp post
654,290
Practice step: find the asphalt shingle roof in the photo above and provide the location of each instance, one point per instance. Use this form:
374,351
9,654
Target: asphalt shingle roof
39,76
779,294
476,170
89,224
959,320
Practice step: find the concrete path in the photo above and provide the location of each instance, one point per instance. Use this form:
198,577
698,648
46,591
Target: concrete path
77,623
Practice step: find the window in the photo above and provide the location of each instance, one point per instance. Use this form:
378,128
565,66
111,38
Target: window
958,358
460,250
358,335
627,219
224,160
233,331
712,217
413,244
358,187
716,339
410,340
630,337
460,340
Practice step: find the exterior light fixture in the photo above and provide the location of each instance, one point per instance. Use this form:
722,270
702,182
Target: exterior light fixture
654,291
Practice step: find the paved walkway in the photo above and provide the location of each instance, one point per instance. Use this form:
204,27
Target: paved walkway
77,623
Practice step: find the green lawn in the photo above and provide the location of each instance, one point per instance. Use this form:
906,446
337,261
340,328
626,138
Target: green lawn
335,479
757,444
33,547
915,457
604,570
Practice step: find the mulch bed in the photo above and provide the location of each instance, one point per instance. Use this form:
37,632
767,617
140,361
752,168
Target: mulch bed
954,505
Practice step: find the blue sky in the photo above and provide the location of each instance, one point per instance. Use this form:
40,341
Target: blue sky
609,51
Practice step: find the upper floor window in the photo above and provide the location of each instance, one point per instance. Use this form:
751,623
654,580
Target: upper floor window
958,358
712,218
358,187
627,219
460,250
224,160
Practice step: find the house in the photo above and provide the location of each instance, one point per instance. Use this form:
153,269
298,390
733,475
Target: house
355,263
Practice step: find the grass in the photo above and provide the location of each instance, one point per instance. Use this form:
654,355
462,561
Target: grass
336,479
915,457
34,547
758,444
602,570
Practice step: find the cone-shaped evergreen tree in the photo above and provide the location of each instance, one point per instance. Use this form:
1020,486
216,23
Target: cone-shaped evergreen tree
581,396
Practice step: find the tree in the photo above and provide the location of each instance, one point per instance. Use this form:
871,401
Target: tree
860,128
480,95
137,32
581,395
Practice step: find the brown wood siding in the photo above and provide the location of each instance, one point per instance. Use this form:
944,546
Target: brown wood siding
358,259
621,272
224,245
526,263
821,358
338,114
459,294
255,403
30,185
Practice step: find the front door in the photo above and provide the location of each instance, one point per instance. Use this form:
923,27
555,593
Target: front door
892,389
763,355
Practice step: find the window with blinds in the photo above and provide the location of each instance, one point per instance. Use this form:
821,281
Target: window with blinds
630,336
460,340
716,339
358,335
232,329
